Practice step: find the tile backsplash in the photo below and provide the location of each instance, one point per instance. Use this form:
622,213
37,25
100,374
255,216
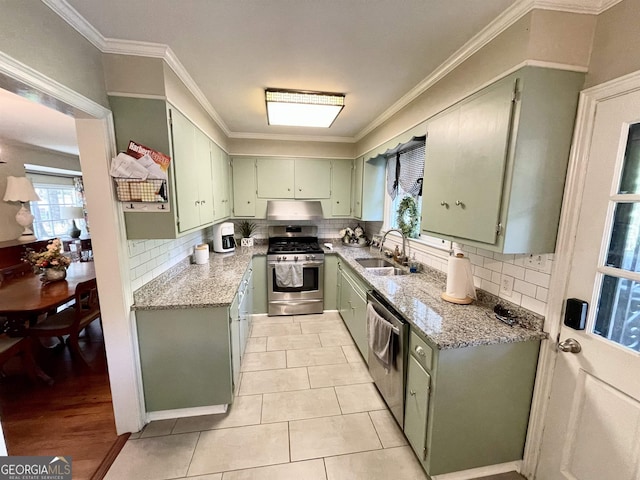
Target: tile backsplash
519,279
149,258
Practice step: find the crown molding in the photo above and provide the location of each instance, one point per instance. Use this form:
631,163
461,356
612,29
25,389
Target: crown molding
77,21
491,31
486,35
157,50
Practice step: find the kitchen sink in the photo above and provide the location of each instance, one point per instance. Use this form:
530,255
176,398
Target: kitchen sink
387,271
374,262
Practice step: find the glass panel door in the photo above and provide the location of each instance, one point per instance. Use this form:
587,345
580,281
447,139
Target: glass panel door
618,314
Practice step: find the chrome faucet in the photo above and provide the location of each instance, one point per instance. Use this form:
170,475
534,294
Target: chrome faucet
403,254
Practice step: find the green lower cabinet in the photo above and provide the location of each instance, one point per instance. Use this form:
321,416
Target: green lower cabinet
259,283
417,407
191,357
330,278
184,357
477,405
235,339
352,305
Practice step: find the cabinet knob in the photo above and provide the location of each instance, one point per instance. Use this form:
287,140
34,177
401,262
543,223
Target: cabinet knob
197,203
248,201
203,202
288,189
337,201
420,351
444,204
412,393
459,203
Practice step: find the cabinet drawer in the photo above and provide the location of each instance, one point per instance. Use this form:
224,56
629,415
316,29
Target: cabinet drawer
421,351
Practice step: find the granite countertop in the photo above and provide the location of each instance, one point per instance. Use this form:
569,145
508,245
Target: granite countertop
447,325
188,285
415,296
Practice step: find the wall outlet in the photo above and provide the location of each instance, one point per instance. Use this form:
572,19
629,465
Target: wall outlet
538,261
506,285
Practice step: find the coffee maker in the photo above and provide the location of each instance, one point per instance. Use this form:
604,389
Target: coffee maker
223,240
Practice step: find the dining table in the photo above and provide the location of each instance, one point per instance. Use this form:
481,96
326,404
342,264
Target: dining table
23,299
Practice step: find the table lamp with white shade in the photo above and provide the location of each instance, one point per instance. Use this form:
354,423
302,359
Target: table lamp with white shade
20,189
72,213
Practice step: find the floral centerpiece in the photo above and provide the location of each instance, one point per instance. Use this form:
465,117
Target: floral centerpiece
50,262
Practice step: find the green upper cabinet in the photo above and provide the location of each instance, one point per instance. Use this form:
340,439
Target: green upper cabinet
367,202
275,177
465,165
341,187
244,187
156,124
221,179
312,178
496,163
300,178
192,156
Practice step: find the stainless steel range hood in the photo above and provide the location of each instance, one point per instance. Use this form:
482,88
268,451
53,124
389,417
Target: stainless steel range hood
294,210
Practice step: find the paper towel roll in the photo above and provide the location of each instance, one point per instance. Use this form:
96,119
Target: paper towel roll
460,288
201,254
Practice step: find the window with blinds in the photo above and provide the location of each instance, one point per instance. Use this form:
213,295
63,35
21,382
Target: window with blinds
405,168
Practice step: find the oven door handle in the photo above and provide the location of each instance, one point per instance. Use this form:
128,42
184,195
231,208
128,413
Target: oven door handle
304,263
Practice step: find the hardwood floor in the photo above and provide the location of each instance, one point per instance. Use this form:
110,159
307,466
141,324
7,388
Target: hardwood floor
74,417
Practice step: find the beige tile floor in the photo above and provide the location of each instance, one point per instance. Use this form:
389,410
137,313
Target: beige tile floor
306,409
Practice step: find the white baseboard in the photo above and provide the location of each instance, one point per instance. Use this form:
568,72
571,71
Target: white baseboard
480,472
186,412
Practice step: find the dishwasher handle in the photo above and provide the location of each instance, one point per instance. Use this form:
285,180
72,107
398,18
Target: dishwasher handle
386,312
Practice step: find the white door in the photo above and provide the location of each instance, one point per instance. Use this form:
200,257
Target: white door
592,426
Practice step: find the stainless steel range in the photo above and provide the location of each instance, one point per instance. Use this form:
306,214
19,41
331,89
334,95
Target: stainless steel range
295,271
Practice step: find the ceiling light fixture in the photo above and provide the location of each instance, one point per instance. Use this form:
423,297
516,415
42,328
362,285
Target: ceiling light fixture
302,109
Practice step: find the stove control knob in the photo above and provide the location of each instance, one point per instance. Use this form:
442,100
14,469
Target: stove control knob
313,257
279,258
295,259
307,257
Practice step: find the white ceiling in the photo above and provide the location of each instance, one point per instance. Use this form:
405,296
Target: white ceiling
374,51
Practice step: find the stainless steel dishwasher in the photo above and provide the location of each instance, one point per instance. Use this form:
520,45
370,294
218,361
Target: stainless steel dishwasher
390,382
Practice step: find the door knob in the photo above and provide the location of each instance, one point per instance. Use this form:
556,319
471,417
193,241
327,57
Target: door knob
570,345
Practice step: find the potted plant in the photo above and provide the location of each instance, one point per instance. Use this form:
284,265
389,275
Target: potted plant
246,230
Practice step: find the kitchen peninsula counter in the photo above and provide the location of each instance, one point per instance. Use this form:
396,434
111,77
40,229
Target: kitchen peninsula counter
187,285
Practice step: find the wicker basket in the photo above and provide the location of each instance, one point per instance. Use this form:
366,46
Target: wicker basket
134,190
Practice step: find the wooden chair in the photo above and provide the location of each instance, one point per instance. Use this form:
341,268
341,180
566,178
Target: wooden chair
72,320
12,346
